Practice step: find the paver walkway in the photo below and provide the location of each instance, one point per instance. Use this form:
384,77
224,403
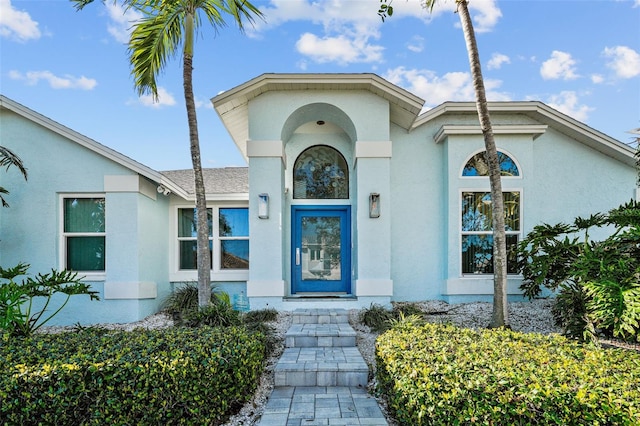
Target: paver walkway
321,377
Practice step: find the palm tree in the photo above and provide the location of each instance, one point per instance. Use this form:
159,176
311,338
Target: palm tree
167,26
500,316
8,159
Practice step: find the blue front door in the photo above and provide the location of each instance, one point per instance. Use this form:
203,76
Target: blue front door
321,255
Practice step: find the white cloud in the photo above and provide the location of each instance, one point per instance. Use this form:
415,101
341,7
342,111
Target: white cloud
624,61
487,16
497,60
164,99
55,82
348,27
17,24
597,79
560,66
416,44
346,34
121,21
484,13
340,49
434,89
331,14
568,103
203,103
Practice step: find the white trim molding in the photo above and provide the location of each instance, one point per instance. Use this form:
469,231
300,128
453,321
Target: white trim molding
373,149
130,183
130,290
446,130
265,288
478,286
369,287
266,149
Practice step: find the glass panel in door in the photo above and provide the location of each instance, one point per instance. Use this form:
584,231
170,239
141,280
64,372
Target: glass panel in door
321,255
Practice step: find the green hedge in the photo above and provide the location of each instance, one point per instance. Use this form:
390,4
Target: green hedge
144,377
439,374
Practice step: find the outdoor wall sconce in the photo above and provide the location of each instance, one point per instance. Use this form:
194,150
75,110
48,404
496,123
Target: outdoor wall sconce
263,206
374,205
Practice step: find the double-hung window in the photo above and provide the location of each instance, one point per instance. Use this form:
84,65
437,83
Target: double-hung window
187,238
228,241
233,231
84,233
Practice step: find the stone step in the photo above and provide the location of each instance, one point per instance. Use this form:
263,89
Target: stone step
321,366
320,335
320,316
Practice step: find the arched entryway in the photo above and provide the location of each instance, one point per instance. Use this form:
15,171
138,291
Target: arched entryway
321,233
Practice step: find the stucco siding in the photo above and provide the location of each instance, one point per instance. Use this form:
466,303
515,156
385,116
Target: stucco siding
31,229
417,213
570,179
559,179
55,166
269,112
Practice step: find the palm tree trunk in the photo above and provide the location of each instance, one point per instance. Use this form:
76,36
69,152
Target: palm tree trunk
202,227
500,316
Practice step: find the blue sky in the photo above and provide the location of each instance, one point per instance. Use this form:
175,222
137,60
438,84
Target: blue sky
581,57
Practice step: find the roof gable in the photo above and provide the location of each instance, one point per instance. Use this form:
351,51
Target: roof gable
543,114
232,105
92,145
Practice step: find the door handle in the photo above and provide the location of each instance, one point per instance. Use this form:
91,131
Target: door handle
297,256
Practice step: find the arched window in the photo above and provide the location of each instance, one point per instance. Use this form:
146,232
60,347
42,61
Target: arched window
320,172
478,165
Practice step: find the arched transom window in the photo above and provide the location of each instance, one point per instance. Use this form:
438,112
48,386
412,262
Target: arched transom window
320,172
478,165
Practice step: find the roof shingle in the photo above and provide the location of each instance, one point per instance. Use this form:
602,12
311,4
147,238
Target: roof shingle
227,180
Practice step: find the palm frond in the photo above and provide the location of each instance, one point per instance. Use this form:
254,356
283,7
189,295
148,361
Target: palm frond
80,4
2,200
8,159
242,9
154,40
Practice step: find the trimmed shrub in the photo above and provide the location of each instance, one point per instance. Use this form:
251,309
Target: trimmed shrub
436,374
258,321
96,377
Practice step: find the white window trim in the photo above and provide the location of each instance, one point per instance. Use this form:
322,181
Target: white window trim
461,233
217,274
62,241
504,151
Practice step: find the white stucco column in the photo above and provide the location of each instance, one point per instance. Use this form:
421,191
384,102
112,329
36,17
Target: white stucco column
129,275
373,235
266,244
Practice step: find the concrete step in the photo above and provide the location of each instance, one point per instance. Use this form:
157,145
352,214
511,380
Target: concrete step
320,335
321,366
320,316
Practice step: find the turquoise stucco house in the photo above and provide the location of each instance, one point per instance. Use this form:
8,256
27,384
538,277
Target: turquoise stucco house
351,196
